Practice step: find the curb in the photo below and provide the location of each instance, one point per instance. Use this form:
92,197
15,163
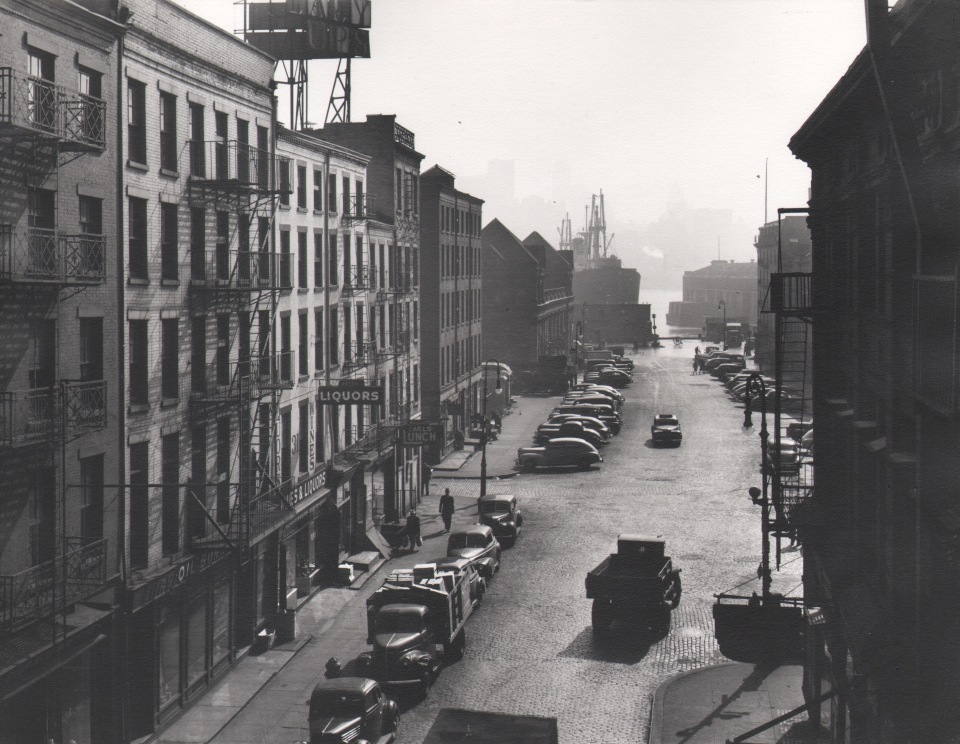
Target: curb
656,710
500,476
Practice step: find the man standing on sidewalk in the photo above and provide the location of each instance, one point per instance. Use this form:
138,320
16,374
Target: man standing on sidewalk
446,509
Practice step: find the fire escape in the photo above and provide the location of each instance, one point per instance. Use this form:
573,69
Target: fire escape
44,127
238,283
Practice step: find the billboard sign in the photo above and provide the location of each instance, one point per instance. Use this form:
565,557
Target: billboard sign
420,433
354,395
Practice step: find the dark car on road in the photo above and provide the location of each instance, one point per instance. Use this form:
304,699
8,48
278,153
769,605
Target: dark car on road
352,708
547,431
499,511
562,451
478,545
666,430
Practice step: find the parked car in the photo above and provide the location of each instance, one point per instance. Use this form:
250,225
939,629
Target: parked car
612,420
559,452
721,371
345,708
478,545
666,430
499,511
616,377
592,398
462,566
547,431
608,389
588,421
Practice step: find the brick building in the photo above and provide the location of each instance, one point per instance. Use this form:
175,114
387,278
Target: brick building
197,298
880,532
59,410
393,224
450,296
528,299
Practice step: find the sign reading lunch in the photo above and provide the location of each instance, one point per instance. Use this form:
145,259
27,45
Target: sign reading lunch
361,395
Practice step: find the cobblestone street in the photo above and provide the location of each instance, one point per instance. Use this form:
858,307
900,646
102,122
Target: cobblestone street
530,647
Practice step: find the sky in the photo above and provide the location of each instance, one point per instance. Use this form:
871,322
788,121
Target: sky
647,100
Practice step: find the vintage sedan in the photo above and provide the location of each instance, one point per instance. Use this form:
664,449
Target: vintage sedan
558,452
352,708
477,544
547,431
666,430
499,511
588,421
615,377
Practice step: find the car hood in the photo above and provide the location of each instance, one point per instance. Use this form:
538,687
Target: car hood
394,642
333,725
469,553
493,519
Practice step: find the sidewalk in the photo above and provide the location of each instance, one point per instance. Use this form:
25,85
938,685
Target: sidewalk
714,704
516,430
328,623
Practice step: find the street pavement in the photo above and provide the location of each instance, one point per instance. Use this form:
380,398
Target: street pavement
530,648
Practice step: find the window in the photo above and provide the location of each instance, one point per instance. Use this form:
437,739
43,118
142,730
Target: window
358,198
223,470
169,358
223,246
91,349
139,387
416,320
197,497
286,363
136,122
286,437
90,117
42,99
91,498
168,132
223,350
221,164
243,151
399,189
416,382
198,354
92,248
333,262
303,441
333,338
302,274
284,166
317,260
170,478
318,190
303,357
318,363
139,504
332,193
137,238
168,241
286,268
198,243
346,195
321,454
198,166
301,187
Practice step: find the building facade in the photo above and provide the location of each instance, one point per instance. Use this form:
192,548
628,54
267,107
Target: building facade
393,188
60,412
703,289
451,301
880,534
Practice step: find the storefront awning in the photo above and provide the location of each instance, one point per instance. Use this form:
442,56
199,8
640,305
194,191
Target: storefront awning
338,474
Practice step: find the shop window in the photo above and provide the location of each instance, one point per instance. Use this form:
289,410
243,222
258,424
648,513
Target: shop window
221,618
197,637
168,662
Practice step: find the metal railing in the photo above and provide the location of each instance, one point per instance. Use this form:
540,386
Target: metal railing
40,106
250,271
234,165
37,592
357,207
222,379
43,255
403,136
791,294
85,405
358,276
27,416
360,354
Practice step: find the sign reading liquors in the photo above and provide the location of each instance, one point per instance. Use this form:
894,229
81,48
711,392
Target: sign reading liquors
420,433
361,395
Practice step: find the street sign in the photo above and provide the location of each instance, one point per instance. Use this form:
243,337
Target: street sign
420,433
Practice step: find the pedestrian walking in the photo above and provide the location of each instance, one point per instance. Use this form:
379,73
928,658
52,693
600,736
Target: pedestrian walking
412,529
696,365
697,351
446,509
427,476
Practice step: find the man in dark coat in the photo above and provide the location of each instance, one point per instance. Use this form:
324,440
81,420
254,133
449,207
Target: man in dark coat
446,509
413,530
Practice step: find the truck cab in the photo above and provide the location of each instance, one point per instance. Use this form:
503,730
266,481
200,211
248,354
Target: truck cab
348,709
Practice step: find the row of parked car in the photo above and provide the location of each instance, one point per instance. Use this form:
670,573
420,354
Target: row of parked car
584,421
796,441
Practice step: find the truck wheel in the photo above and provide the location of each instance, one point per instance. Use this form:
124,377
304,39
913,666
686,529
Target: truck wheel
661,621
602,615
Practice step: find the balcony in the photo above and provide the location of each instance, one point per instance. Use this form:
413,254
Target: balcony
226,380
27,417
399,283
791,295
38,592
357,208
240,271
37,255
360,354
403,136
32,107
368,443
233,166
357,277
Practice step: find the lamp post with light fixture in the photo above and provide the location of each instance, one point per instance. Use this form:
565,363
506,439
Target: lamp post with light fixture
485,432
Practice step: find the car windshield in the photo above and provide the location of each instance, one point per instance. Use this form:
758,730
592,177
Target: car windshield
398,622
336,704
491,507
466,540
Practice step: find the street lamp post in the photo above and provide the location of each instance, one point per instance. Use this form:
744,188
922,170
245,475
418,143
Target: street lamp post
761,496
723,304
484,433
